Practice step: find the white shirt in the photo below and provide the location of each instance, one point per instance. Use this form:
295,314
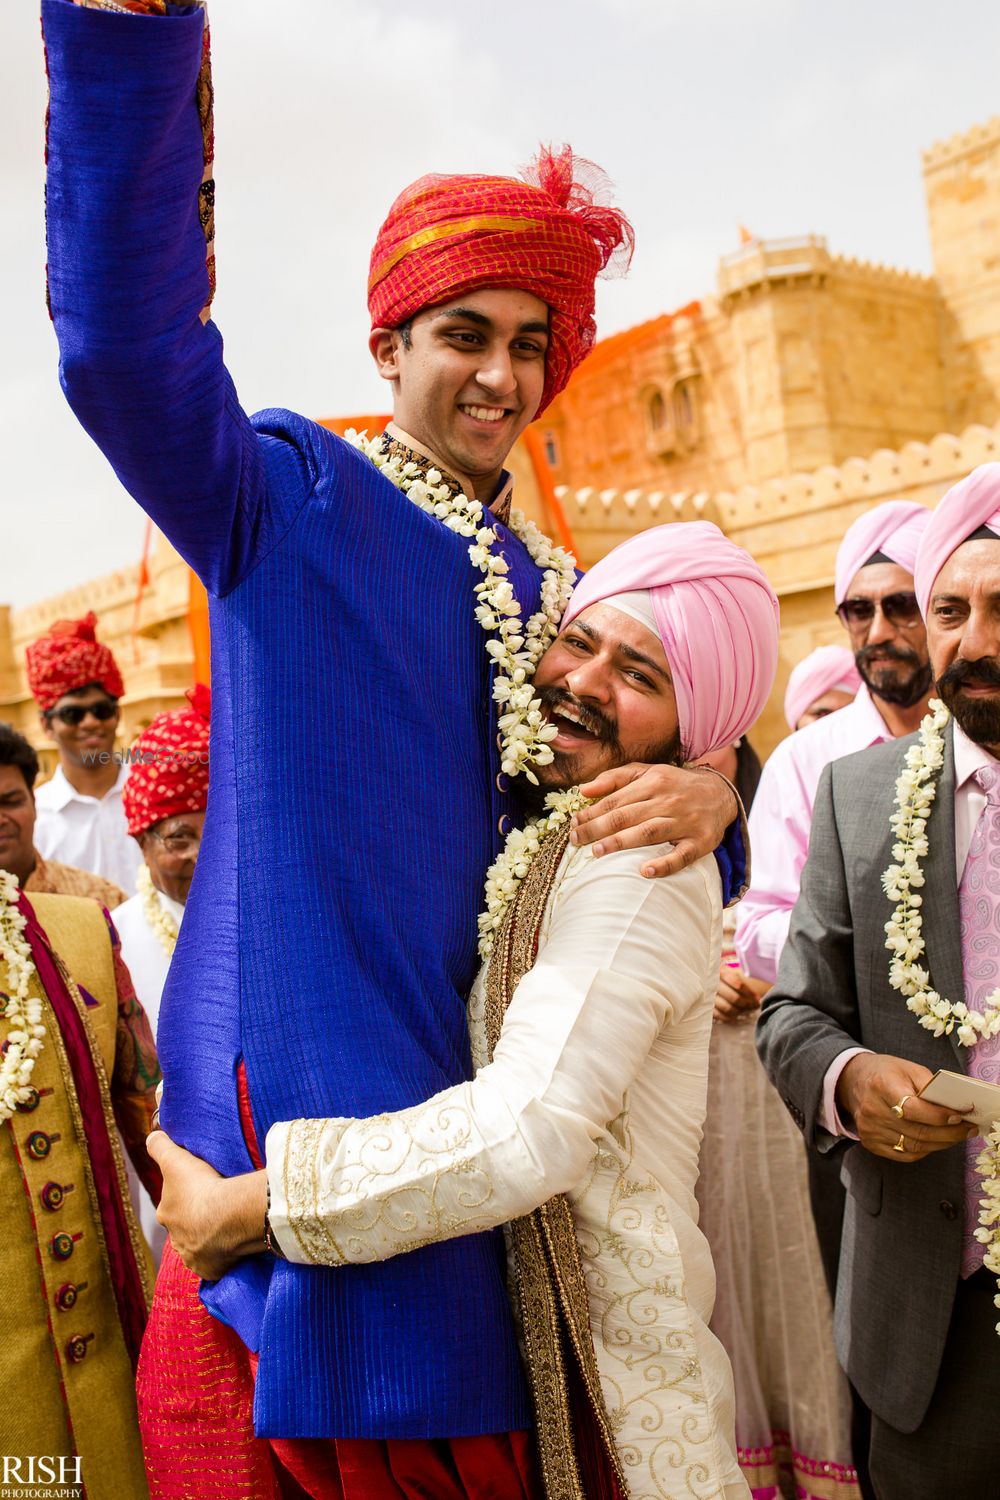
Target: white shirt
147,962
597,1089
88,832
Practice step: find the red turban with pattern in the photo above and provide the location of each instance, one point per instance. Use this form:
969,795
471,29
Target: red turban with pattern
550,233
169,770
69,657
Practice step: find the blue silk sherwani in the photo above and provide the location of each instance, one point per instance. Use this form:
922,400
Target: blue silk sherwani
330,936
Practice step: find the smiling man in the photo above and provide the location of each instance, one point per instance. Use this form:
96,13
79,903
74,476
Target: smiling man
848,1037
368,609
76,683
590,1025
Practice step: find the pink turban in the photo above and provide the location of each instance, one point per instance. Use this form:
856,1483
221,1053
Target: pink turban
973,502
823,670
894,528
717,617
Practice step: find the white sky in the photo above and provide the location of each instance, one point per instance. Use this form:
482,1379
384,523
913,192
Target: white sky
789,116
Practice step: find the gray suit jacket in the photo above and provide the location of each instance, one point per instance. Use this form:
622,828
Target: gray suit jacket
902,1243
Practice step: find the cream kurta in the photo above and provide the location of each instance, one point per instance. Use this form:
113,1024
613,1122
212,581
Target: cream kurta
612,1024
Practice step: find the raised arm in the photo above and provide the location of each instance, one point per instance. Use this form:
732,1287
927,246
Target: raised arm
129,279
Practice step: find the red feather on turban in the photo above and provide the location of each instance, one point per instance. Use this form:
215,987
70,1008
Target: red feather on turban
70,656
550,233
169,770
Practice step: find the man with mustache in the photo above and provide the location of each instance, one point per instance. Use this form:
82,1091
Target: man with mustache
873,591
877,990
875,603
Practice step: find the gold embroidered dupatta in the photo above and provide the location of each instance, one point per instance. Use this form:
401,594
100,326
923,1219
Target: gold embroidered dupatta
548,1286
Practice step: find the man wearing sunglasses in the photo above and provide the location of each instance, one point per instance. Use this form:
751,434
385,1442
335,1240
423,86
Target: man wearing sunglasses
76,683
876,604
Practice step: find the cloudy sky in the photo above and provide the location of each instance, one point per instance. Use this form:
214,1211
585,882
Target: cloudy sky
788,116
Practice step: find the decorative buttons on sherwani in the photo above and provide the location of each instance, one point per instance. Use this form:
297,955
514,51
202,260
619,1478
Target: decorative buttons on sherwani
948,1209
68,1295
27,1105
501,782
76,1347
53,1195
61,1245
40,1144
504,826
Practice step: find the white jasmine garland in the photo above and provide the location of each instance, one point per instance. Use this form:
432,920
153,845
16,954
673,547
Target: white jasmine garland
156,914
503,879
515,647
916,789
23,1012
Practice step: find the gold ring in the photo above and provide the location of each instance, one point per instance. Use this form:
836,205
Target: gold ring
900,1145
897,1109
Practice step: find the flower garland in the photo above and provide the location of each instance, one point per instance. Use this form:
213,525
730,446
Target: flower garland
916,789
22,1012
515,647
159,919
503,879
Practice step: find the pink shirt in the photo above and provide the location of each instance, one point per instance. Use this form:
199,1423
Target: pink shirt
970,800
779,825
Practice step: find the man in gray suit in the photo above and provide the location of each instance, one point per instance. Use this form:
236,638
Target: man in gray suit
915,1317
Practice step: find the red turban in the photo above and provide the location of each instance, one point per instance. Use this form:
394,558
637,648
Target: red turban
169,770
549,234
69,657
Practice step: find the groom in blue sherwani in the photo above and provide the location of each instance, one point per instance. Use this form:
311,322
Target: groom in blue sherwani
357,795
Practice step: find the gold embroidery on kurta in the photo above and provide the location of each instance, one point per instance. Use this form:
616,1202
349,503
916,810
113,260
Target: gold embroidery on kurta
548,1275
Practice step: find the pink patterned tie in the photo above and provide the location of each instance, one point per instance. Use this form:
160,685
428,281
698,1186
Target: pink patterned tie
979,915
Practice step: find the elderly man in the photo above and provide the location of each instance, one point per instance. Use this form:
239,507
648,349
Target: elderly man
165,798
76,683
18,772
367,601
590,1022
875,993
77,1066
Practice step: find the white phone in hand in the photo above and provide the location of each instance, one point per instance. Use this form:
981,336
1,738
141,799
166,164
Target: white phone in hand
972,1097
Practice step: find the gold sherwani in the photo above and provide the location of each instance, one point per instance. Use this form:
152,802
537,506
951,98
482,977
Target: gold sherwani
66,1380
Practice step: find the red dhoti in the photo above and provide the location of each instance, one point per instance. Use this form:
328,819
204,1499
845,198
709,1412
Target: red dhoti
195,1391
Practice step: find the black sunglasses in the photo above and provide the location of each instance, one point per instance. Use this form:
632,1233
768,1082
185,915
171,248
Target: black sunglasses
899,609
75,713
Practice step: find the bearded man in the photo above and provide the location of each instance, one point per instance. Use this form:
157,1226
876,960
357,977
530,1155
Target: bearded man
390,589
877,991
590,1024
